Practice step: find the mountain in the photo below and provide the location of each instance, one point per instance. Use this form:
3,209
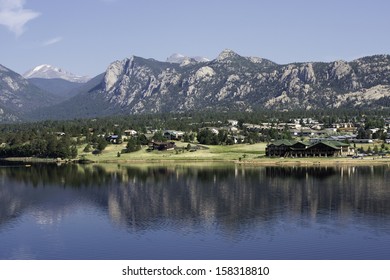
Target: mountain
182,59
46,71
60,88
18,96
85,103
232,82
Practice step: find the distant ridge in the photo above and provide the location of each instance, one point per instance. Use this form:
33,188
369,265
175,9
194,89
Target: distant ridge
230,82
47,71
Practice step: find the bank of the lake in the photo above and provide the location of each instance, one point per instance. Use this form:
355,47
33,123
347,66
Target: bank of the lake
243,154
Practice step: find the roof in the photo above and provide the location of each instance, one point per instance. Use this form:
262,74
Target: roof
113,136
333,144
284,142
295,145
289,143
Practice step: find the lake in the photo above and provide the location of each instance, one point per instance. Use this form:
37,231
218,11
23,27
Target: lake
194,212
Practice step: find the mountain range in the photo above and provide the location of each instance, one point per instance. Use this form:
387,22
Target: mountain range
46,71
230,82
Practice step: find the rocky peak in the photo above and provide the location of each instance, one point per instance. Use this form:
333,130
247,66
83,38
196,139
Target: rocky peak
307,73
115,71
185,60
225,54
340,69
3,69
176,58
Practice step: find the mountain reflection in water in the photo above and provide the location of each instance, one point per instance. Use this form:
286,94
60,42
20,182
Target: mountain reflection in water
228,202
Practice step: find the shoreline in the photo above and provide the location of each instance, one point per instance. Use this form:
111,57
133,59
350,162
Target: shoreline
263,161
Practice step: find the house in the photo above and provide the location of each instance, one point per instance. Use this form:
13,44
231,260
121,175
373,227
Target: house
114,139
287,148
361,141
387,123
233,122
238,139
254,127
232,129
131,132
303,132
161,146
304,121
173,135
214,130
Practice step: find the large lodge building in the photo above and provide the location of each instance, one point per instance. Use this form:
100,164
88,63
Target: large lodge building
287,148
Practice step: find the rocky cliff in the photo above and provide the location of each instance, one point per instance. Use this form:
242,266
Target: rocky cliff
232,82
137,85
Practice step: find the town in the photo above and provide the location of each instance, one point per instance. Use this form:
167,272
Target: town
289,138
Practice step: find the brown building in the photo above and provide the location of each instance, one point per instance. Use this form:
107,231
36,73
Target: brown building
162,146
287,148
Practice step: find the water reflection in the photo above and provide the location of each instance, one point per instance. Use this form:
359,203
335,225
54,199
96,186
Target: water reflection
231,197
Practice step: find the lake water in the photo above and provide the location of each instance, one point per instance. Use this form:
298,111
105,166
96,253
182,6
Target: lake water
194,212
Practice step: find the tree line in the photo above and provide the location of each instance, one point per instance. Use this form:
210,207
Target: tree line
61,138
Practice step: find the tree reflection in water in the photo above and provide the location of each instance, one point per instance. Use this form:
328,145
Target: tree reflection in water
231,196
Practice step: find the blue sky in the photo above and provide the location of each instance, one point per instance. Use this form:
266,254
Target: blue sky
85,36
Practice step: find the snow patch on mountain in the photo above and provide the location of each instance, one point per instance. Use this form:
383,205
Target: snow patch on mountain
47,71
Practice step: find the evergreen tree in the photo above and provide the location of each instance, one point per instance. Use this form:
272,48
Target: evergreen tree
101,144
132,145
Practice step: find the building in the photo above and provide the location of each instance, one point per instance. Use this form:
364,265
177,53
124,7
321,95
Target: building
162,146
287,148
233,122
130,132
361,140
114,139
173,135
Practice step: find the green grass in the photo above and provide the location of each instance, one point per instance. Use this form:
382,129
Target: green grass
213,153
243,153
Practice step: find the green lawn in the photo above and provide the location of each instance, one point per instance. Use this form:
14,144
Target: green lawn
222,153
244,153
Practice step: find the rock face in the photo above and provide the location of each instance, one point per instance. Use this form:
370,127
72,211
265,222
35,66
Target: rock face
232,82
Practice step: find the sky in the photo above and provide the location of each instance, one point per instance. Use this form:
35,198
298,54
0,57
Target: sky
85,36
